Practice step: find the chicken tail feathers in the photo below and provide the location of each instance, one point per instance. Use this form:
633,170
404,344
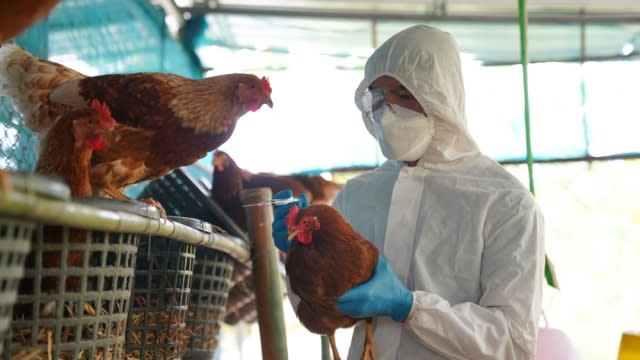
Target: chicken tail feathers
28,81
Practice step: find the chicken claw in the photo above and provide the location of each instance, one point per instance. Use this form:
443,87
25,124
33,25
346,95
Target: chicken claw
156,203
115,194
369,351
334,348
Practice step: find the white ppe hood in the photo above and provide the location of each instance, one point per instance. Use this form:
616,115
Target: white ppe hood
464,235
430,69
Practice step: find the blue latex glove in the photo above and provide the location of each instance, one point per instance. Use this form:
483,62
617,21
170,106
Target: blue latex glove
279,227
382,295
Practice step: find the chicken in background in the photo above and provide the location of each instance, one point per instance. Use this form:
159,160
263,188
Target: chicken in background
174,120
326,258
229,179
17,16
65,152
322,190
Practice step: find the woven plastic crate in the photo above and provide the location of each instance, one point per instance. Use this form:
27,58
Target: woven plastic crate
209,293
15,242
160,298
74,297
183,195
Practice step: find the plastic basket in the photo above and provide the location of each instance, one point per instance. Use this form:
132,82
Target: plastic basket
209,295
182,195
160,299
212,276
74,297
15,242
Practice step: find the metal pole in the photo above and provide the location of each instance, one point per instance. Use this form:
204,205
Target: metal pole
524,59
326,349
549,272
538,17
266,274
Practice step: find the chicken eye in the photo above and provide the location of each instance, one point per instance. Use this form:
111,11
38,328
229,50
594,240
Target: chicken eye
253,86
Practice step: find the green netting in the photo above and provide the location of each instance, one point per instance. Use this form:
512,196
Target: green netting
18,144
94,37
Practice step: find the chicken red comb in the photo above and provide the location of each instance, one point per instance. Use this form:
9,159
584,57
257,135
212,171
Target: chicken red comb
103,110
291,216
266,84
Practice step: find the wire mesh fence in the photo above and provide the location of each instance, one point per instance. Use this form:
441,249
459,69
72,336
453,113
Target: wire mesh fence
93,37
17,144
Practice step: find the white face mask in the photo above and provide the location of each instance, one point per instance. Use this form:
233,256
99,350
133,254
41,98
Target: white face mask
403,134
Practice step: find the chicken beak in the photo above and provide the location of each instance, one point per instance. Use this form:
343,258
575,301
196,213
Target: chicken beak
293,232
267,101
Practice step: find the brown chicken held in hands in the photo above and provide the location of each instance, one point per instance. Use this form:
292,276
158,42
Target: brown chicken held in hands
173,120
326,258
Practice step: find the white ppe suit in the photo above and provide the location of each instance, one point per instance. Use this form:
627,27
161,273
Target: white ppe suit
461,233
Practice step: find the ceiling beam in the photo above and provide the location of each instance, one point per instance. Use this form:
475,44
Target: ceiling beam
565,17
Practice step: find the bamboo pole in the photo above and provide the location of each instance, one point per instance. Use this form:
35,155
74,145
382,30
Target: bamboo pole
266,273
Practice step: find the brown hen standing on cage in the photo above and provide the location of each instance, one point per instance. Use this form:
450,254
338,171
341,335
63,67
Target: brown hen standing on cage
179,120
65,152
326,258
16,16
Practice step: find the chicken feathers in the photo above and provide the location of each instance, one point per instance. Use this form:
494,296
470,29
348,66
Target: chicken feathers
17,16
326,258
166,120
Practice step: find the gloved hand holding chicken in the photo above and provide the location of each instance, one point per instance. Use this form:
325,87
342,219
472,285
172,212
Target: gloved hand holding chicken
382,295
279,229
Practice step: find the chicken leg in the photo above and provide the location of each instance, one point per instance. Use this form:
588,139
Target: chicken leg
334,348
368,352
116,194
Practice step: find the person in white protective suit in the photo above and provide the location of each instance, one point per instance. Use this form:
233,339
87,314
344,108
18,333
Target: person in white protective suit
463,239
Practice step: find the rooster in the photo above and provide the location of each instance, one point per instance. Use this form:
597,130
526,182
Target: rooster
165,121
326,258
65,152
16,16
